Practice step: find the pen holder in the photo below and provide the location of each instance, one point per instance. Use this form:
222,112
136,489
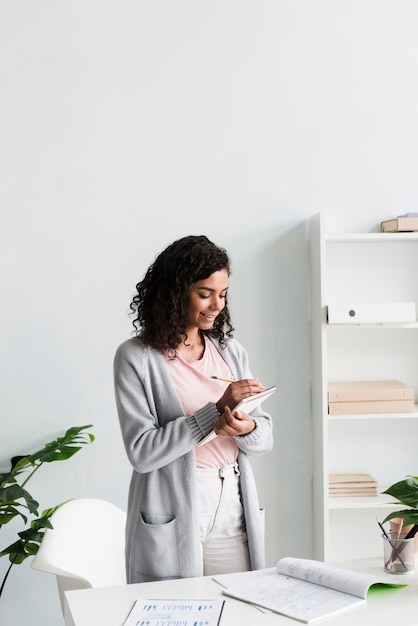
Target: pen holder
399,553
396,524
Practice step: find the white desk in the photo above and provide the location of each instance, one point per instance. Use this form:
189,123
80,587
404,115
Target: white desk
109,606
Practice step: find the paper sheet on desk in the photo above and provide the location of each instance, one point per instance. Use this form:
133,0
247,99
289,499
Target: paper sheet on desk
171,612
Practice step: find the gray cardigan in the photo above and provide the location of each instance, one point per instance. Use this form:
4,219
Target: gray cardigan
162,531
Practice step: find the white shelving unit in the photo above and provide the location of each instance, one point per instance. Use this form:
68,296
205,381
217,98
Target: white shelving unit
369,267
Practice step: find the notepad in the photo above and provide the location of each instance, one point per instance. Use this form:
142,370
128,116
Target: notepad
303,589
247,405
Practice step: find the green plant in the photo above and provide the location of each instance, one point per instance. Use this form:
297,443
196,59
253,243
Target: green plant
406,493
16,501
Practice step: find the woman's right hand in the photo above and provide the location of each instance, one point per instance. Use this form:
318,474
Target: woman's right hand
237,391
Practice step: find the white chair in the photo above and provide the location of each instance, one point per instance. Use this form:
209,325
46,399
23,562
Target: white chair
86,547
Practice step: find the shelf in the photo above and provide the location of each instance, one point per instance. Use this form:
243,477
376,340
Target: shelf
379,501
360,267
371,237
397,325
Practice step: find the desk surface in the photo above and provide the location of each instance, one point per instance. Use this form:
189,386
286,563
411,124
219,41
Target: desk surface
109,606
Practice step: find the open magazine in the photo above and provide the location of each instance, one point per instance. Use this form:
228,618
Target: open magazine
247,404
303,589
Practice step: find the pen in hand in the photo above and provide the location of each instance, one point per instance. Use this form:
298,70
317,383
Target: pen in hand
230,380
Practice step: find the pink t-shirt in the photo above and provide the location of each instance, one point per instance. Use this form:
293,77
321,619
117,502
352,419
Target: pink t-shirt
196,388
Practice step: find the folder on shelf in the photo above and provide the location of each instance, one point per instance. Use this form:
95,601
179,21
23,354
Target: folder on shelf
369,396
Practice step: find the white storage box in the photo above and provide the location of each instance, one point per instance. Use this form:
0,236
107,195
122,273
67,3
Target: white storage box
372,313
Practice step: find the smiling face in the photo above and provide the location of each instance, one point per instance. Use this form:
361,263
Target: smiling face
206,301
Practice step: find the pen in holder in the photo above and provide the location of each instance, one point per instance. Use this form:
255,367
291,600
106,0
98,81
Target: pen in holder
398,552
397,525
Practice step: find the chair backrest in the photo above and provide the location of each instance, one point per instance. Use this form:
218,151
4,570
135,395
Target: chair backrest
86,547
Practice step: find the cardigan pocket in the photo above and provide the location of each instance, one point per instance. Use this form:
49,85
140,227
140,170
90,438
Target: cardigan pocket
156,519
157,547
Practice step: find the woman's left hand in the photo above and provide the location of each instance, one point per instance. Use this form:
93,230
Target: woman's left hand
233,424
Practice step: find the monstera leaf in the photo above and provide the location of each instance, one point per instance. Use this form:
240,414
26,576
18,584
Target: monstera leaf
16,501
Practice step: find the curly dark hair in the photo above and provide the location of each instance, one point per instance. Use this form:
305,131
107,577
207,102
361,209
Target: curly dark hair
161,303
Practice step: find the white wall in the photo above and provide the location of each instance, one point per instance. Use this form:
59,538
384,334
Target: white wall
125,125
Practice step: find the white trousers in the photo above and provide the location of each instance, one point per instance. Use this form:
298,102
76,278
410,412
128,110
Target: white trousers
221,521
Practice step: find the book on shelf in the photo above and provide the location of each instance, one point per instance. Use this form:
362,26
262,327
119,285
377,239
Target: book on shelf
371,407
348,485
370,396
403,223
170,612
354,479
368,390
370,493
303,589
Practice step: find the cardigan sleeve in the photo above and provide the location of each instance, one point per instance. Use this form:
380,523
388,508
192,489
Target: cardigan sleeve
154,430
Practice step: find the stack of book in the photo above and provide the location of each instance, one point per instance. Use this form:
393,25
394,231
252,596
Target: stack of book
369,396
347,485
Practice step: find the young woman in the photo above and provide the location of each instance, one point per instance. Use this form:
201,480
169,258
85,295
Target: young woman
192,510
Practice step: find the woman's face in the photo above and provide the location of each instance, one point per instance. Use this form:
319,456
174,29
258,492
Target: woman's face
206,301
